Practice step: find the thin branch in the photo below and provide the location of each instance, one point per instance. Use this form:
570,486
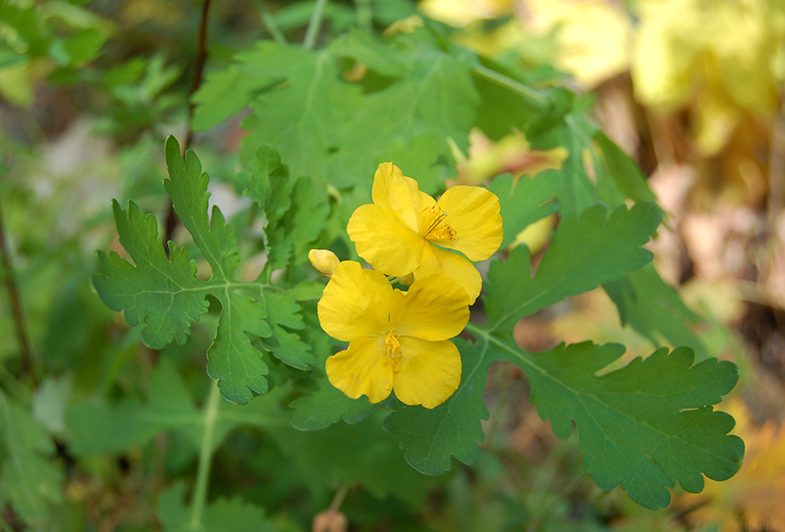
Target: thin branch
172,220
269,23
314,24
17,313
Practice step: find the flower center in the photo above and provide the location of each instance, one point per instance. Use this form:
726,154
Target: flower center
434,224
392,350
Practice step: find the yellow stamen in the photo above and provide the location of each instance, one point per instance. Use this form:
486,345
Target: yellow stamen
392,350
434,224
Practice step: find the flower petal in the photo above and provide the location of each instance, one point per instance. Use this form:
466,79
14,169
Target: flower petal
474,214
435,308
355,303
428,372
397,193
359,370
383,241
437,260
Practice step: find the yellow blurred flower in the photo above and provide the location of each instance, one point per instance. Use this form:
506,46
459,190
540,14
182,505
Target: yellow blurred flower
511,154
406,231
397,340
729,57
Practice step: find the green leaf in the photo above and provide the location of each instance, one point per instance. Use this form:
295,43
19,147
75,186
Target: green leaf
98,426
615,170
453,428
165,297
327,406
524,201
435,97
28,478
587,250
645,426
221,515
302,114
295,212
654,309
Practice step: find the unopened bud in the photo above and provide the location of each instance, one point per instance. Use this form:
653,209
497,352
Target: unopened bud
323,260
330,521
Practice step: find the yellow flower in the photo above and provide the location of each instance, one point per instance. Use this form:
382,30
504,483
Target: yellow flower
397,340
405,231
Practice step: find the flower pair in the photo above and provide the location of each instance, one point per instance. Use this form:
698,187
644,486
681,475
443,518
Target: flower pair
401,340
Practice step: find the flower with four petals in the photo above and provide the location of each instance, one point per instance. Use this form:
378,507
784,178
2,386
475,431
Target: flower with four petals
397,340
406,231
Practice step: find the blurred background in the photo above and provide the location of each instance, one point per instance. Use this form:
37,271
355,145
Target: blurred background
693,90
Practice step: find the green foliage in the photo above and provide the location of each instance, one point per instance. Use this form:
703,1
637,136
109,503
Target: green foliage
129,407
29,481
165,296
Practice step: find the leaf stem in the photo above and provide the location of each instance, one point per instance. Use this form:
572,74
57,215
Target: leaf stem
314,24
509,83
20,324
364,15
340,495
269,23
199,499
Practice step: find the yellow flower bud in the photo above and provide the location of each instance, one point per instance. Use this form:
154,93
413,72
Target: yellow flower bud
323,260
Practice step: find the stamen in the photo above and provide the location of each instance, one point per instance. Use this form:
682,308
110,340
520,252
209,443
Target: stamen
392,350
434,224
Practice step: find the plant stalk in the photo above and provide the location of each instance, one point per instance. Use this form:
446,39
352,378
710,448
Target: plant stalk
314,24
15,301
269,23
199,499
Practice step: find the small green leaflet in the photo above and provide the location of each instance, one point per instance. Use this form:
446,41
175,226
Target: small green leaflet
658,408
164,296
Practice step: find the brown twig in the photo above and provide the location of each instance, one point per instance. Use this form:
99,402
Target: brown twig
172,220
28,362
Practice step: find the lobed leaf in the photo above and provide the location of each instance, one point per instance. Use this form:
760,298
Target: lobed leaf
645,426
165,296
586,250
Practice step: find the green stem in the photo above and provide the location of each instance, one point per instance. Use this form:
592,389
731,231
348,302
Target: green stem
314,24
199,498
15,302
269,23
364,15
510,83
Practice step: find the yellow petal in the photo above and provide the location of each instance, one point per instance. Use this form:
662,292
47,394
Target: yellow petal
359,370
435,308
428,372
397,193
383,241
474,214
355,303
436,260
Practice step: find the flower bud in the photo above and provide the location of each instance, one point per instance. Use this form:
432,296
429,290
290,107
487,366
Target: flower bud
330,521
323,260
